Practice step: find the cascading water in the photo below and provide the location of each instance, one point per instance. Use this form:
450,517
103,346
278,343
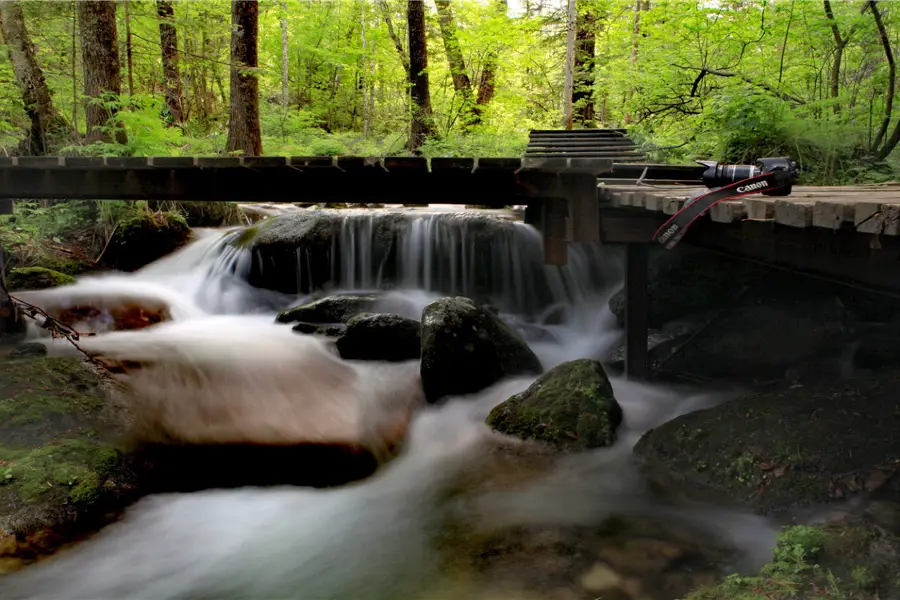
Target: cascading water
393,535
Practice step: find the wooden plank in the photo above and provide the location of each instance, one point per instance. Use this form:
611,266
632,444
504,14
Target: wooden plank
831,214
794,214
411,164
759,209
867,217
6,206
653,202
555,231
584,212
727,211
218,162
672,204
891,215
312,162
454,165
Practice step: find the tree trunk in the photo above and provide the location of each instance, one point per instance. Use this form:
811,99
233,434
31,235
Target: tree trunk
386,15
570,66
839,45
583,93
422,124
46,122
100,57
461,82
486,83
285,96
168,41
244,133
639,5
892,77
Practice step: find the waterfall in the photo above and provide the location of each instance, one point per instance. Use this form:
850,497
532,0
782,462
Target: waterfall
494,260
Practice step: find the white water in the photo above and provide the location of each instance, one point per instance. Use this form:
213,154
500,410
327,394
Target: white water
377,539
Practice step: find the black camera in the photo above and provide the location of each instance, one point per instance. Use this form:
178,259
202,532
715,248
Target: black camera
721,174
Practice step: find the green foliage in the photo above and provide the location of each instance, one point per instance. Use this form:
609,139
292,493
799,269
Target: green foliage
36,278
767,91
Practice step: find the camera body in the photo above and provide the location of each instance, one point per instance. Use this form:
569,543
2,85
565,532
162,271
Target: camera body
721,174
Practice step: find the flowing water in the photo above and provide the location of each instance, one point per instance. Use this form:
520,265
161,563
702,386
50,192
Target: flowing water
417,527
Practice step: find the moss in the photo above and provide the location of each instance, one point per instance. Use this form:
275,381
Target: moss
36,278
829,562
144,237
571,406
773,452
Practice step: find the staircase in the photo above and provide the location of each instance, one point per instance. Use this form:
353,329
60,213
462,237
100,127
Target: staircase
610,144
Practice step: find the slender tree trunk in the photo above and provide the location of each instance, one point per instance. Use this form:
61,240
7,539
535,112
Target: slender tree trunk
892,76
100,57
583,94
839,44
422,124
75,68
244,133
129,58
46,121
285,96
364,71
386,15
570,65
486,83
461,82
168,41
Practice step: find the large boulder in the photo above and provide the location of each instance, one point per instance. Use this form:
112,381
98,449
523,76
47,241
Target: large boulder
571,407
145,237
339,308
381,337
466,348
36,278
773,452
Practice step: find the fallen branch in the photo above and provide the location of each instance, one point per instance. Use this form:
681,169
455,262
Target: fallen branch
704,71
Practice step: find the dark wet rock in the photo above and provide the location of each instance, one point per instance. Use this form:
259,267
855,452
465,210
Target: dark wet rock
304,327
571,407
331,309
773,452
466,348
36,278
847,559
381,337
144,238
30,349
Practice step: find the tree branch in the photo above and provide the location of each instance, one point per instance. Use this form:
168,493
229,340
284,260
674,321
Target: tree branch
386,15
704,71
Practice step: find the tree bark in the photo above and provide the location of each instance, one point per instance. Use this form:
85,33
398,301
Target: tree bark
461,82
583,93
100,58
244,133
46,121
168,41
839,44
422,124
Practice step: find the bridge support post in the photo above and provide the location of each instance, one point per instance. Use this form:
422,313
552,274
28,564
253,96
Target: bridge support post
6,206
637,303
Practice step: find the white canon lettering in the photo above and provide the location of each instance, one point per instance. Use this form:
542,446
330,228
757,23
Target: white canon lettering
753,186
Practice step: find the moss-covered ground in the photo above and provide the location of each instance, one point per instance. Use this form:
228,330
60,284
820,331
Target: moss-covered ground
59,470
774,452
837,561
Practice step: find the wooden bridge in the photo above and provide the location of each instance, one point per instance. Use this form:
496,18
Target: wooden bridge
578,186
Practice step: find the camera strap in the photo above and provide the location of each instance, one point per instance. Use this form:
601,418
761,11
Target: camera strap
671,232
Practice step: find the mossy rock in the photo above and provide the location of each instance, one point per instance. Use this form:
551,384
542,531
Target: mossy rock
36,278
803,446
207,213
331,309
385,337
466,348
144,238
571,407
834,561
60,472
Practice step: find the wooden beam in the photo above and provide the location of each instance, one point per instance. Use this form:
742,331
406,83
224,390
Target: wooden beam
584,212
554,218
6,206
637,302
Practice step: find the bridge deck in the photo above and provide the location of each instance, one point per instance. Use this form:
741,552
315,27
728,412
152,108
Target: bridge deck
865,208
